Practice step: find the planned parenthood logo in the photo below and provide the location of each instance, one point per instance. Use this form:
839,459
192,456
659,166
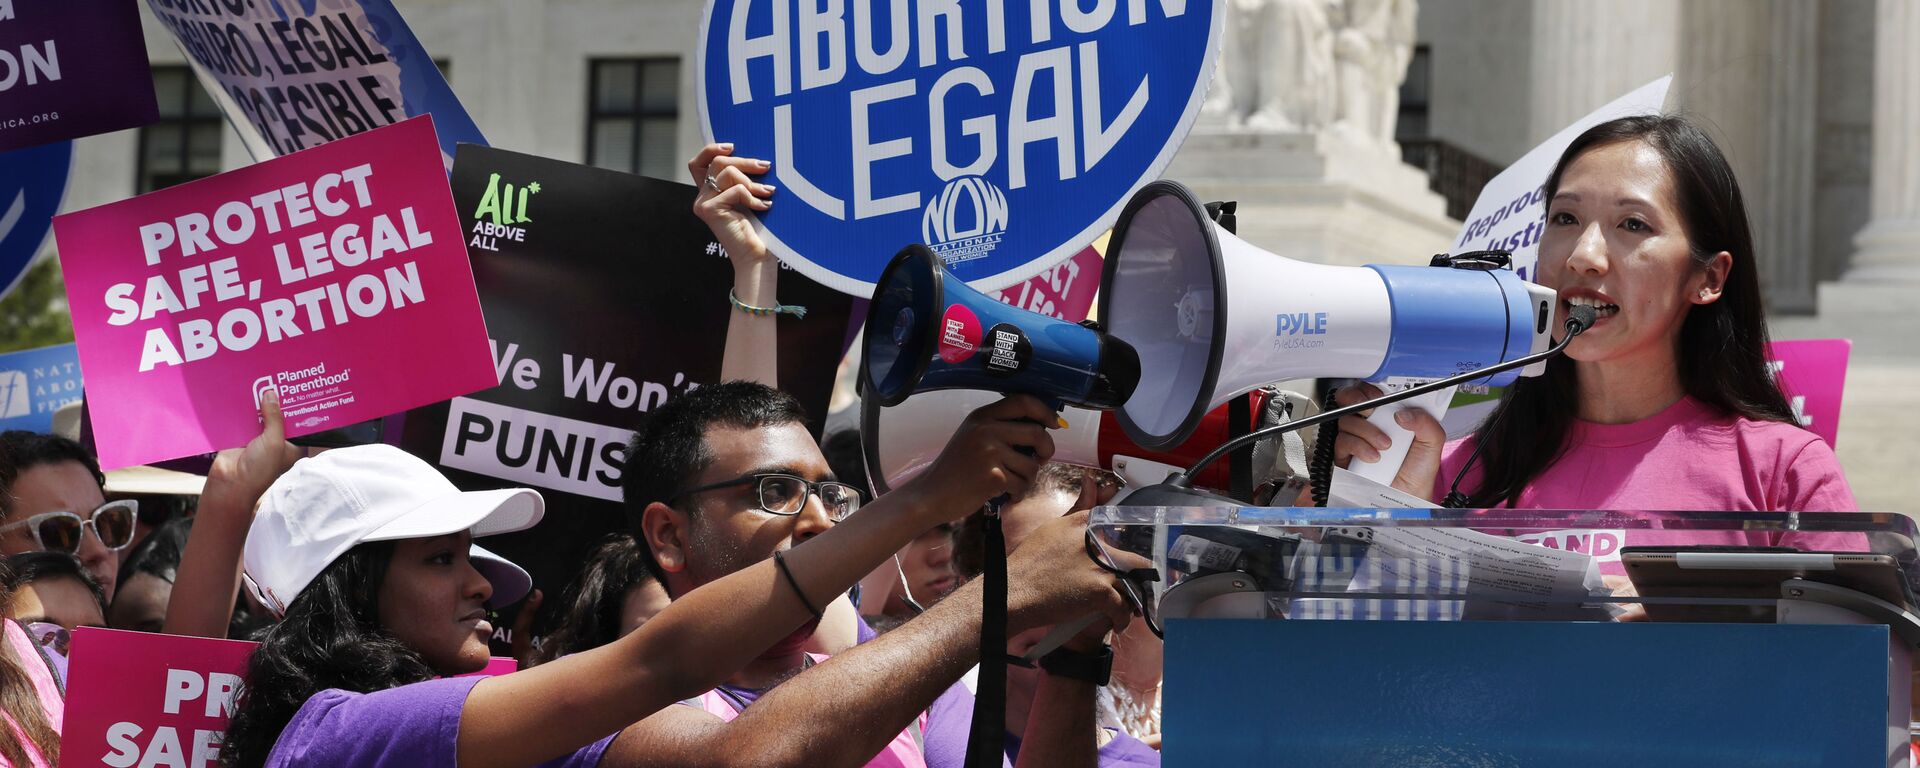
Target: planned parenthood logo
1004,136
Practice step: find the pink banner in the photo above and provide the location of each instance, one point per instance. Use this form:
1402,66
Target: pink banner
135,698
336,275
1813,373
144,699
1064,292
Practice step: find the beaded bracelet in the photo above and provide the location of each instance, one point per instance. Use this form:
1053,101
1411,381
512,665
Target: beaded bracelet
777,309
781,562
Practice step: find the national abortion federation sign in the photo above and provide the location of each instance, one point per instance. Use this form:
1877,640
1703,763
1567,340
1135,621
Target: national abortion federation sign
336,276
1005,136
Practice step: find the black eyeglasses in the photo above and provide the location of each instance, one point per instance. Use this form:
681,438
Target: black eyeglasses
1134,584
112,523
783,494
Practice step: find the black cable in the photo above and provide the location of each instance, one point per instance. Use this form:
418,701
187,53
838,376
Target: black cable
1455,499
1320,465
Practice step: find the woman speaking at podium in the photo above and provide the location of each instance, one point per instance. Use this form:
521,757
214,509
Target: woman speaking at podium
1667,402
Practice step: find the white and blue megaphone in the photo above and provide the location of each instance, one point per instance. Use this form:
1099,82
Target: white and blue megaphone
1212,317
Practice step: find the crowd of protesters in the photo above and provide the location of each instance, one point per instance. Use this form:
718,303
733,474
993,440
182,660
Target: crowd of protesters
718,627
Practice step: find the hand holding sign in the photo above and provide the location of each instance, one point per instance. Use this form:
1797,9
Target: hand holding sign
241,475
727,196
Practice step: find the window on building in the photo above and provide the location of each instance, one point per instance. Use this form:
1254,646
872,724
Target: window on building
633,116
185,144
1416,97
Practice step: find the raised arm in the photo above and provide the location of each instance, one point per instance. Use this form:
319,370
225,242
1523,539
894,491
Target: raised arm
709,633
726,202
209,574
844,711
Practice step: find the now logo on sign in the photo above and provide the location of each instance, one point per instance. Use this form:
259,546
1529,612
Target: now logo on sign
1298,323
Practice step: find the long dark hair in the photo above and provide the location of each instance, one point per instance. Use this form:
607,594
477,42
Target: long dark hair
17,696
1722,345
594,600
330,638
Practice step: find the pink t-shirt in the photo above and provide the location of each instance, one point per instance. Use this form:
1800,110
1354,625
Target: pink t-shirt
1689,457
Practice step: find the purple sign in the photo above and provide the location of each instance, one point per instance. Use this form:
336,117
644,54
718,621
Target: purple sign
71,68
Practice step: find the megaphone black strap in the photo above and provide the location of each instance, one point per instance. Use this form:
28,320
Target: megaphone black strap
987,739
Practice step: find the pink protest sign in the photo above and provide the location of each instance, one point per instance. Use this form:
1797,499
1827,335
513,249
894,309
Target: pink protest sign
135,698
1063,292
1813,373
337,275
144,699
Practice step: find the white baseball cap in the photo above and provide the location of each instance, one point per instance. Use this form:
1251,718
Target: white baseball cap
330,503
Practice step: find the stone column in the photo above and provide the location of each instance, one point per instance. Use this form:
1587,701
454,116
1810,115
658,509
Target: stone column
1586,54
1888,248
1781,199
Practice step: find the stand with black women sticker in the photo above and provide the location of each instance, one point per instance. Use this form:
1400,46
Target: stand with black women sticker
1008,350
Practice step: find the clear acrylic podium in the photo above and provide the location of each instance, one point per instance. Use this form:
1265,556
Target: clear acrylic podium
1436,637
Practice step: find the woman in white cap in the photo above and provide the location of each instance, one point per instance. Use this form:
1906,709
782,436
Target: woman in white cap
367,555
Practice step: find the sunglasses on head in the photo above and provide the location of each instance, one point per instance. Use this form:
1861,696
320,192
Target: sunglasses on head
112,523
50,636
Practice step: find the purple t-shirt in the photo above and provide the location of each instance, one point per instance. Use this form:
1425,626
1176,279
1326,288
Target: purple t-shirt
414,725
1121,751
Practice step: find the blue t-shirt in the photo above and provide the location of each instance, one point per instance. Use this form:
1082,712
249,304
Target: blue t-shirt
412,725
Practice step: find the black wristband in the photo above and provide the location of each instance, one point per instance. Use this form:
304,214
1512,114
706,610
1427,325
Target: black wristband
1096,668
795,583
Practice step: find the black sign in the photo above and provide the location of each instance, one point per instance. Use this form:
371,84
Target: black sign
605,297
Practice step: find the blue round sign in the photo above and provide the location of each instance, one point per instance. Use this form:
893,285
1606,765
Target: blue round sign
1004,136
32,182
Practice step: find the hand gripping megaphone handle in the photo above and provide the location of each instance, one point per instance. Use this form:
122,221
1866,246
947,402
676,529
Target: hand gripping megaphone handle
1384,470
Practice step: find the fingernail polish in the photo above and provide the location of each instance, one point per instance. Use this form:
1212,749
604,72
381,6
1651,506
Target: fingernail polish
1061,420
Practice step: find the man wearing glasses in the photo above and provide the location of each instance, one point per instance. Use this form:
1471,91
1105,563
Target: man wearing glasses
728,476
53,498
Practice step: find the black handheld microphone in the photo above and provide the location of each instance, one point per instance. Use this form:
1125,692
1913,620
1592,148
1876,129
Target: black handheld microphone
1579,319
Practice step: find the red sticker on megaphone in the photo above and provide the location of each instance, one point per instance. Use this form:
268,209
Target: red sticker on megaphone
959,334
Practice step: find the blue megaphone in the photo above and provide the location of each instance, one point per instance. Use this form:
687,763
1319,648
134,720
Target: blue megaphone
926,330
